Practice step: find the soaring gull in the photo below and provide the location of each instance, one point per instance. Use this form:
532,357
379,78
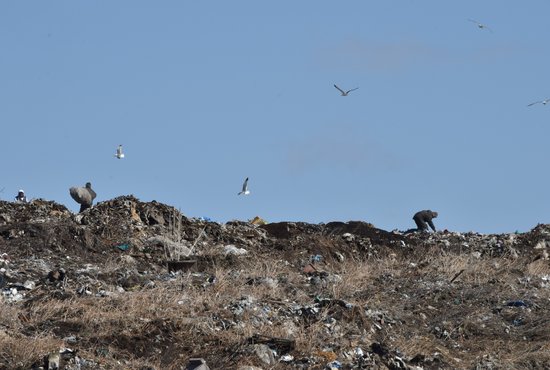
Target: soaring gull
245,190
344,93
119,153
481,26
543,102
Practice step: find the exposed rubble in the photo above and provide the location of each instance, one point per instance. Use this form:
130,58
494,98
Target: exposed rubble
136,285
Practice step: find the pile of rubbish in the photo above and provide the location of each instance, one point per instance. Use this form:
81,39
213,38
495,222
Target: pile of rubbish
131,284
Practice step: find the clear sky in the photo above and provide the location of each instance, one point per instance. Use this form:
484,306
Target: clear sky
205,93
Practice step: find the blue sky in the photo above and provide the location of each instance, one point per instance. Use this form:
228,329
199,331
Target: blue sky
204,94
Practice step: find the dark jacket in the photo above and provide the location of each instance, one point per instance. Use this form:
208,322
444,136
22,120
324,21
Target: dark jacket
425,217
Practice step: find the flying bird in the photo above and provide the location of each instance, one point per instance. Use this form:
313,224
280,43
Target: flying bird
543,102
481,26
245,190
344,93
119,153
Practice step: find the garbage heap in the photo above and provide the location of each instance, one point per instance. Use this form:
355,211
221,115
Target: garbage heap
137,285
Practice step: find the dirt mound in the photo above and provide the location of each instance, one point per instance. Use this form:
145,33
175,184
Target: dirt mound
138,285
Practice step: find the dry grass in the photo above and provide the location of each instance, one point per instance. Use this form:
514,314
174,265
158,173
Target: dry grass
20,351
412,293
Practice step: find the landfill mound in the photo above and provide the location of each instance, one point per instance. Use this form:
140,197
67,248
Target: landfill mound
137,285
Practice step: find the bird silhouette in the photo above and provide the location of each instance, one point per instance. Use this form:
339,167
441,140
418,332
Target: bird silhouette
344,93
245,190
119,153
481,26
543,102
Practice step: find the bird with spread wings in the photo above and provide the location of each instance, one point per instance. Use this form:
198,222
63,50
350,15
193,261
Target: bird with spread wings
119,153
543,102
481,26
245,190
344,93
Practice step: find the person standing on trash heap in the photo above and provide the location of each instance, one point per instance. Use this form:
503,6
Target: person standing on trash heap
21,197
423,219
83,196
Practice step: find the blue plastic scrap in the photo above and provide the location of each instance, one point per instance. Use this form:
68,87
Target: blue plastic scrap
316,258
518,322
516,304
123,247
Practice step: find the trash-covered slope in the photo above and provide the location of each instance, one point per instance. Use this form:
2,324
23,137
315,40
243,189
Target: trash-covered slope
135,285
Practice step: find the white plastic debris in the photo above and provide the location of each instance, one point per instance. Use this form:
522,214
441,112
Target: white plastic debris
349,237
287,358
231,249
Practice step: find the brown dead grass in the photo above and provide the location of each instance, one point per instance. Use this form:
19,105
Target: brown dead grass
165,325
20,351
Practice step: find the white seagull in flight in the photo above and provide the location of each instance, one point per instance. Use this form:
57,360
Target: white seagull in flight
481,26
344,93
119,153
544,102
245,190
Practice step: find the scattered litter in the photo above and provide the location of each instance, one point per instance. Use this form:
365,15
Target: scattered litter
265,354
258,221
334,365
518,321
287,358
339,256
291,285
348,236
232,250
197,364
281,345
316,258
123,247
517,304
174,250
182,265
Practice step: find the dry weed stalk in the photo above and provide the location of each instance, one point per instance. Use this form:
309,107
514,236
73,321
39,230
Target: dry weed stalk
20,352
175,250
